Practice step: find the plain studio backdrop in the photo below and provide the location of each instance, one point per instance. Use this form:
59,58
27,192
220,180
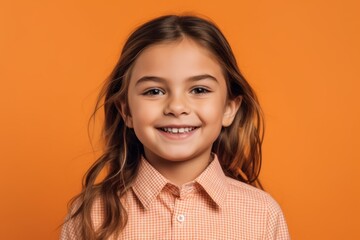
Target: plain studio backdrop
302,58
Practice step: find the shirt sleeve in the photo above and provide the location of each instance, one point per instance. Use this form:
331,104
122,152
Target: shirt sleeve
68,230
276,228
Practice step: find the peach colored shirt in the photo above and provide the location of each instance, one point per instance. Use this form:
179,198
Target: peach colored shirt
212,206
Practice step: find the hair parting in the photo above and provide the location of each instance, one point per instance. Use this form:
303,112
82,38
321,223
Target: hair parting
238,146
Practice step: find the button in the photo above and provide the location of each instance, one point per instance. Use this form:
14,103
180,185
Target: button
181,217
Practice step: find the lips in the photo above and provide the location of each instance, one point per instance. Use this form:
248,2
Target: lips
177,133
178,130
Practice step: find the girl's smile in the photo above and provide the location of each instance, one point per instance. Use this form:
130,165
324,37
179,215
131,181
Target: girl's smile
178,133
178,104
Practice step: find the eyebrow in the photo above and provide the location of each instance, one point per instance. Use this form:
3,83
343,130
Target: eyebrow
160,79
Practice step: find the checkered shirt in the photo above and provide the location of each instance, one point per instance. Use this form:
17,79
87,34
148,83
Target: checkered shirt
213,206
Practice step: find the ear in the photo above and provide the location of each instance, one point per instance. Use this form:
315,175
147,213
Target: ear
125,114
232,106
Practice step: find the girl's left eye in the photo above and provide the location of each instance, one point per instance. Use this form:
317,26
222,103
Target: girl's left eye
200,90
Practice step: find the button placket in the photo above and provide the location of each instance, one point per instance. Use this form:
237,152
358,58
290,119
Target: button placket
180,218
181,215
180,203
180,211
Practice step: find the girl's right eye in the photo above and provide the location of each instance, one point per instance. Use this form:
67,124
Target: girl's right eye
154,91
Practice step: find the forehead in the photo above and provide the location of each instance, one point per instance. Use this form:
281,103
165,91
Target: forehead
176,60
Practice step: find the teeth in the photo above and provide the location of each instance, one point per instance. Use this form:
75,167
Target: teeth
178,130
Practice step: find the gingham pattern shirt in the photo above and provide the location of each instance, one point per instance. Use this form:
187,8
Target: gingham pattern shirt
212,206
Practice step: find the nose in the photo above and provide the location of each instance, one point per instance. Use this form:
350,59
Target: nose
177,105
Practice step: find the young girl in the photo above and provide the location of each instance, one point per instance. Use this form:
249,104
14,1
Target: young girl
183,133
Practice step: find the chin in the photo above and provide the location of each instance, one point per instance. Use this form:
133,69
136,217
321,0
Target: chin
176,157
175,154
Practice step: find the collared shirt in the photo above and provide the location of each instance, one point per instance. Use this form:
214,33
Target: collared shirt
213,206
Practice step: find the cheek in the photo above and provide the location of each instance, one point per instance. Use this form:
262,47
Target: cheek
142,112
213,108
211,113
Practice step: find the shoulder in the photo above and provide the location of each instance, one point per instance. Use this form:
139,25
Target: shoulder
71,228
260,205
244,193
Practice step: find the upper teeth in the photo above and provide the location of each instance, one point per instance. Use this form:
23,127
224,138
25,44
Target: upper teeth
178,130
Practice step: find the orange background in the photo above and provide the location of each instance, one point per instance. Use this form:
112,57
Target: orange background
302,57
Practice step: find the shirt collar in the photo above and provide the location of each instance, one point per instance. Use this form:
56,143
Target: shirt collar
214,182
149,182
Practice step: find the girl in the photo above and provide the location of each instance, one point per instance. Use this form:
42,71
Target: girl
183,133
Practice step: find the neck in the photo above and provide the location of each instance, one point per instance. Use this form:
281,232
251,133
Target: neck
180,172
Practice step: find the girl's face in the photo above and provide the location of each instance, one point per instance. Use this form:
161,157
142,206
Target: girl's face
178,101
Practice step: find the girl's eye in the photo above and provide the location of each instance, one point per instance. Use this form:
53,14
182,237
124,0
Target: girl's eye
200,90
154,91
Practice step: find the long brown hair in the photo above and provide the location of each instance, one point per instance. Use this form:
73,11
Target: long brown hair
238,146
